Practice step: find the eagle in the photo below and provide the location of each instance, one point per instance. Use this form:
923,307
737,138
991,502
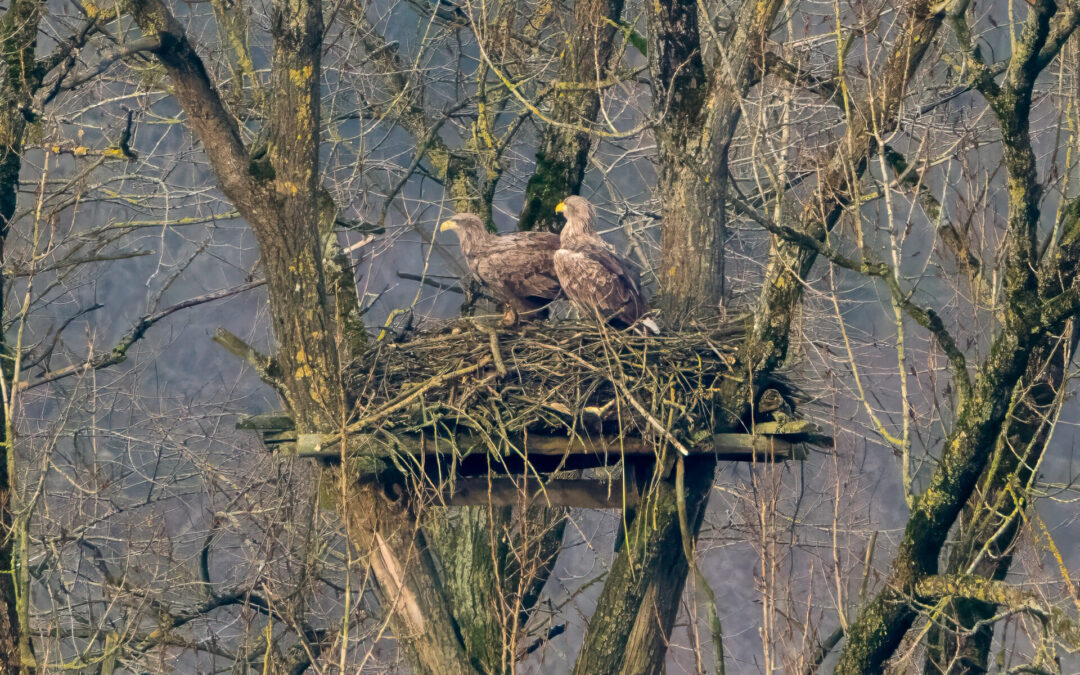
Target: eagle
597,280
517,268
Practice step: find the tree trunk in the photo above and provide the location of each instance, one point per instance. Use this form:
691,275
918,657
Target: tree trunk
495,562
279,199
991,522
564,150
630,630
702,113
384,528
290,245
692,225
881,625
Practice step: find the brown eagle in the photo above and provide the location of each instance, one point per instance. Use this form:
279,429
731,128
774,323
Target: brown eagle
599,281
517,268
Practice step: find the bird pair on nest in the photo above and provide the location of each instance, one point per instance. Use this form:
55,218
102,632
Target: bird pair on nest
527,270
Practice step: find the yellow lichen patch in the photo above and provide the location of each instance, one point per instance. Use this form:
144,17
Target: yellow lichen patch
300,76
304,370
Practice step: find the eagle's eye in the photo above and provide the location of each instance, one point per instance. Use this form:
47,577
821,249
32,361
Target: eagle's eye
561,207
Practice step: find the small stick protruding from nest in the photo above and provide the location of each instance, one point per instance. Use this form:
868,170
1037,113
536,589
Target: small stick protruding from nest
493,342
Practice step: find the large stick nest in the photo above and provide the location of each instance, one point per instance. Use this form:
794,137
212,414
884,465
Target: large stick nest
549,378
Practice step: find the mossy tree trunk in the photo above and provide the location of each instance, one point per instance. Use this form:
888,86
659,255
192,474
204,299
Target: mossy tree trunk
990,523
630,630
279,197
1035,309
991,519
564,146
631,627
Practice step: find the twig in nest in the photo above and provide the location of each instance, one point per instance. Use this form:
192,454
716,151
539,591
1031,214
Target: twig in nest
636,405
599,411
493,342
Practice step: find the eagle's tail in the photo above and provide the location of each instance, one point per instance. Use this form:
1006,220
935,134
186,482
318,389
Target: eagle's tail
647,326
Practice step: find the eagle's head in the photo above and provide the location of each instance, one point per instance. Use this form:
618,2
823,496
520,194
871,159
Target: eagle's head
579,214
462,221
469,228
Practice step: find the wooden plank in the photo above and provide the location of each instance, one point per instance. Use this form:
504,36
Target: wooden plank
576,492
608,449
279,421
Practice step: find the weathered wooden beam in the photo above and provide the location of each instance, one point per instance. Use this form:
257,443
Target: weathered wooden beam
609,449
576,492
275,421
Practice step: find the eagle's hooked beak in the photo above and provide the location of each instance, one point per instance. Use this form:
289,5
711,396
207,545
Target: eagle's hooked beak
560,208
447,225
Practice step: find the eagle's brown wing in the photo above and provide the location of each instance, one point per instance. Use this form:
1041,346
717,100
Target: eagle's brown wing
518,267
597,280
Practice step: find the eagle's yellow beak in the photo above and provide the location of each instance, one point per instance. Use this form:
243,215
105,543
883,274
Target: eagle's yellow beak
560,208
447,225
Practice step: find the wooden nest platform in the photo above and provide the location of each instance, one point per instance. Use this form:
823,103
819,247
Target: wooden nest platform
464,400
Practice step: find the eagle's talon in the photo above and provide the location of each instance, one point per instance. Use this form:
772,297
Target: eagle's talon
509,318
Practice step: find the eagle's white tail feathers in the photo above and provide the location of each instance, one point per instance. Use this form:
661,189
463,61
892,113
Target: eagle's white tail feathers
647,326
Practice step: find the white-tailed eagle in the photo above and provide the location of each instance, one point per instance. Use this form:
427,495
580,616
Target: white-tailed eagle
517,268
599,281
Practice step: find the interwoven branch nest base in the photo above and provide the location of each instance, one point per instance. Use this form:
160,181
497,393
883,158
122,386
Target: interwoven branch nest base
563,378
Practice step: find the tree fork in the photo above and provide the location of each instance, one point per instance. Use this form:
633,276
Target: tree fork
282,207
881,625
992,523
563,152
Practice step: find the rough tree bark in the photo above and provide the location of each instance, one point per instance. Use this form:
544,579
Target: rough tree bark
1031,320
630,629
564,150
701,112
278,196
692,212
